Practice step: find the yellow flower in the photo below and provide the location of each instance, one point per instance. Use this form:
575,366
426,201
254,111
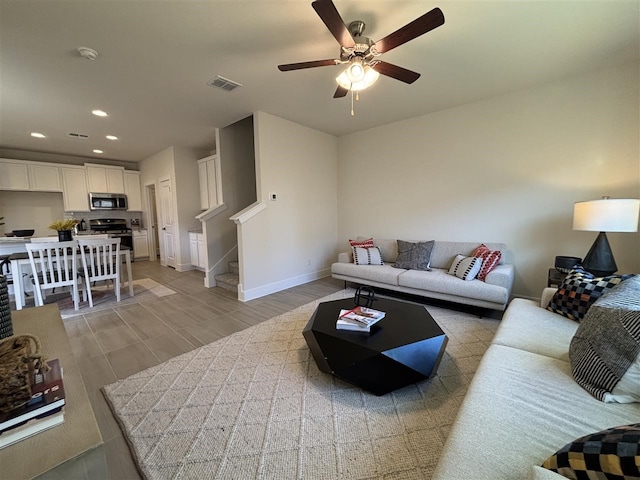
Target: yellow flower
61,225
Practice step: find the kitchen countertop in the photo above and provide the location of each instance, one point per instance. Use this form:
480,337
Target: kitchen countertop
15,239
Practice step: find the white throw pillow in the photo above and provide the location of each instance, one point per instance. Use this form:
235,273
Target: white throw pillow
465,268
367,256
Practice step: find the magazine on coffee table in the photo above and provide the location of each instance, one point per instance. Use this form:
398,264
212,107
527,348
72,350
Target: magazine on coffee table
358,319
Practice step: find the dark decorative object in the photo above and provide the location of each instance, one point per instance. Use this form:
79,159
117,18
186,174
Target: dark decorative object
565,264
64,235
23,233
364,297
6,327
20,357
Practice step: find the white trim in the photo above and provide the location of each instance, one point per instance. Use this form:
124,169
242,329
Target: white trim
221,266
245,296
251,211
212,212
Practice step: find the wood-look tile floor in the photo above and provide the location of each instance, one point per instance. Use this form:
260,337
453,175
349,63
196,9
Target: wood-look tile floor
118,342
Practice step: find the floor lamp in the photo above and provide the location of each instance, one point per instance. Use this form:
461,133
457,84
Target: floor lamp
606,215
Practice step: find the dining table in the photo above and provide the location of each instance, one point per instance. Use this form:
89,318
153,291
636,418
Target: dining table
19,259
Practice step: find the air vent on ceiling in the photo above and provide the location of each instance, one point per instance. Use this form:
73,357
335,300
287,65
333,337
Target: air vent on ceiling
223,83
77,135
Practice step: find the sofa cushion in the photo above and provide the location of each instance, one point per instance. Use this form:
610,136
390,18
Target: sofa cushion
466,268
388,248
613,454
490,259
438,280
579,290
414,255
376,273
366,256
527,326
607,345
520,408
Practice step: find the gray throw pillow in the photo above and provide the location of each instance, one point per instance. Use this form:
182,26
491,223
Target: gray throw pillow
414,255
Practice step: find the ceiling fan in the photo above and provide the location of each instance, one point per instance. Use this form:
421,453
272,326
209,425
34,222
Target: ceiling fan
360,54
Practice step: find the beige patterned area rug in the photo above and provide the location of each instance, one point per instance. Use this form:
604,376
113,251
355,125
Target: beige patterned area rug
255,405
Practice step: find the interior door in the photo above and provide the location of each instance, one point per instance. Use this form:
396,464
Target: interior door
167,225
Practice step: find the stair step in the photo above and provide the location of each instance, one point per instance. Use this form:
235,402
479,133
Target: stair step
228,281
234,267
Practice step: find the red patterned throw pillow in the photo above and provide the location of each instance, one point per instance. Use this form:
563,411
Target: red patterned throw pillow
368,243
490,259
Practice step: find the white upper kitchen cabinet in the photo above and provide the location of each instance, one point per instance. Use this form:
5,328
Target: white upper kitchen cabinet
14,176
45,178
74,193
132,190
29,176
105,178
210,182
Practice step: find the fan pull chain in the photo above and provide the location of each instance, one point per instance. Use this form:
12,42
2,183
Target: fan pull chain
352,112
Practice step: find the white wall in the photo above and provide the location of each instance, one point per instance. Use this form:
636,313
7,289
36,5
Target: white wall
180,165
506,169
238,172
187,197
293,240
27,210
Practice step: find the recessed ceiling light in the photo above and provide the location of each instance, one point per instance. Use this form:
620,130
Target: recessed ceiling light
97,151
100,113
111,137
38,135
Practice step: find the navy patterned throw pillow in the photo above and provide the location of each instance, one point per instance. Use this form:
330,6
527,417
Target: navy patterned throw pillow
579,290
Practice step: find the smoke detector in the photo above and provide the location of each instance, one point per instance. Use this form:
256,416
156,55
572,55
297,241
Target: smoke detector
88,53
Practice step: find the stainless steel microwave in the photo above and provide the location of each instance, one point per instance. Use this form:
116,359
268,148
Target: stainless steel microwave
107,201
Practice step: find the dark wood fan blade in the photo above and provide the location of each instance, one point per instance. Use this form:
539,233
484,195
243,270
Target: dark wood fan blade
419,26
394,71
340,92
328,13
298,66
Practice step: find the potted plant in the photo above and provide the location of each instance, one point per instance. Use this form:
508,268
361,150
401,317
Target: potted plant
64,229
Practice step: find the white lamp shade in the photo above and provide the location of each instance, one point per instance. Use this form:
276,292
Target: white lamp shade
607,215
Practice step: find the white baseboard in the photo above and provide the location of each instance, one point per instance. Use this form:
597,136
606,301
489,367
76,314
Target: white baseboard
246,295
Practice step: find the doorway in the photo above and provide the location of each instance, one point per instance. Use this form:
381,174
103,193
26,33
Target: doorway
152,222
167,232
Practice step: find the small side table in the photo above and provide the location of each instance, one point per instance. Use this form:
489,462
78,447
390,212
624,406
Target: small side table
554,278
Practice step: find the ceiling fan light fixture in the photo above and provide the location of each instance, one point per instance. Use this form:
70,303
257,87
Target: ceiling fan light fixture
367,78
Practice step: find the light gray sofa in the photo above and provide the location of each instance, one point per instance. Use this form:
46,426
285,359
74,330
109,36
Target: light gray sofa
523,403
492,293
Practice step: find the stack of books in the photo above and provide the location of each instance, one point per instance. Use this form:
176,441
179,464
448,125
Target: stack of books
359,319
43,411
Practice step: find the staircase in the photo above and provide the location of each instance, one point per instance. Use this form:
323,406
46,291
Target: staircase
231,279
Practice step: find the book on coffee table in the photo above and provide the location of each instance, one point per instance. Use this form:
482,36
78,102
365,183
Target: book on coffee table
47,396
358,319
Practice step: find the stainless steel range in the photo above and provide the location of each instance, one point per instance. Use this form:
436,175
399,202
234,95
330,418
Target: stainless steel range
115,227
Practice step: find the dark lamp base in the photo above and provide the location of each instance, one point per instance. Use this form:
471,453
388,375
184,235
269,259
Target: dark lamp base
599,261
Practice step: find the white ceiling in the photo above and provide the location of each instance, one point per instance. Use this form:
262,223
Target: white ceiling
156,57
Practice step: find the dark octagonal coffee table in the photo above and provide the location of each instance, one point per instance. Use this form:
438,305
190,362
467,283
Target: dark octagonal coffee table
403,348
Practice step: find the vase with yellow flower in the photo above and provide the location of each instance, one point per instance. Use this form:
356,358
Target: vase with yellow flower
64,228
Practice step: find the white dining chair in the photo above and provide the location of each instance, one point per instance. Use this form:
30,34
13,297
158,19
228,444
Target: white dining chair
54,264
100,262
